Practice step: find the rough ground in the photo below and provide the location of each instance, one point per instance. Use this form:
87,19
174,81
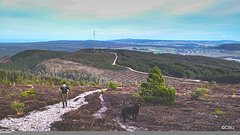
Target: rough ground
42,120
46,95
82,119
57,65
184,115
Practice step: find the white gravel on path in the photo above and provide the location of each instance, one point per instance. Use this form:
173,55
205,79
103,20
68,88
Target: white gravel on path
127,127
98,114
41,120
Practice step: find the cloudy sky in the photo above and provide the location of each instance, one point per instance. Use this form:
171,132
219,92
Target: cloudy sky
38,20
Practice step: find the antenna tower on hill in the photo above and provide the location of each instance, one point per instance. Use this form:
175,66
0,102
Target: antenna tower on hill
94,40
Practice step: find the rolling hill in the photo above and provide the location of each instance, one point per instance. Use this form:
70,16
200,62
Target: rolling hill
193,67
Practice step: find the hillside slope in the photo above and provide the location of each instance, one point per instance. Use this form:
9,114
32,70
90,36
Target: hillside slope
192,67
58,67
27,60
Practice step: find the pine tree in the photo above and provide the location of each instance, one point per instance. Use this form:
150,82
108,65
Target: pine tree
155,77
154,91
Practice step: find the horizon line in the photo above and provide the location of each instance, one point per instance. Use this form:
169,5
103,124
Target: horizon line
46,40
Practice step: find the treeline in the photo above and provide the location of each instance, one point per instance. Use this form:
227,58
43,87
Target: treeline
194,67
98,58
16,77
234,46
80,75
232,79
27,61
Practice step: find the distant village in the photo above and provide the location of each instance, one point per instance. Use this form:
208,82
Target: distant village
203,51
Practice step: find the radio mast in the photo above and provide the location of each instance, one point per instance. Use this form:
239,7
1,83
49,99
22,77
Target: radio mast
94,40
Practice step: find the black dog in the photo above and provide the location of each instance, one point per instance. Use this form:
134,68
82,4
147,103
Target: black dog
130,110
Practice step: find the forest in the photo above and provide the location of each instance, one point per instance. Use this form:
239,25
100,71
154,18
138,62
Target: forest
16,77
191,67
24,66
26,61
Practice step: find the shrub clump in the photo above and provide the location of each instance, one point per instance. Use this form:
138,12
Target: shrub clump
112,86
24,95
197,93
218,112
154,91
17,107
30,92
102,91
13,96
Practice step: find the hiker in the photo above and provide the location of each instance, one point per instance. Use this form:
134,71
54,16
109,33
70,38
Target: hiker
64,88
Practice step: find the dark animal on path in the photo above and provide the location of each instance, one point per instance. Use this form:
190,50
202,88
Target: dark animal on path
130,110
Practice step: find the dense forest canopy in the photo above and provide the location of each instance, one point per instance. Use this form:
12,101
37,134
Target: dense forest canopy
195,67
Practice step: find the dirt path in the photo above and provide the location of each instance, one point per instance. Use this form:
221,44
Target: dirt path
114,62
99,114
41,120
168,77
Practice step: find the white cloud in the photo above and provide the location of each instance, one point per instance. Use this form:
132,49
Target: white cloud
224,36
233,9
101,9
188,6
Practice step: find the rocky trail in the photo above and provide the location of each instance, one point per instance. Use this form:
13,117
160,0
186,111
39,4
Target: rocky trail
99,114
41,120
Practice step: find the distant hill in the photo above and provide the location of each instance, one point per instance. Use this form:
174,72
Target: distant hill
183,43
235,46
27,60
10,49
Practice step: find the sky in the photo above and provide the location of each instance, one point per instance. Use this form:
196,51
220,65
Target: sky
43,20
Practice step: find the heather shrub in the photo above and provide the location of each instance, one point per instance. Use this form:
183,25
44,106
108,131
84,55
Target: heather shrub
33,95
112,86
30,92
197,93
218,112
102,91
24,95
13,96
17,107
